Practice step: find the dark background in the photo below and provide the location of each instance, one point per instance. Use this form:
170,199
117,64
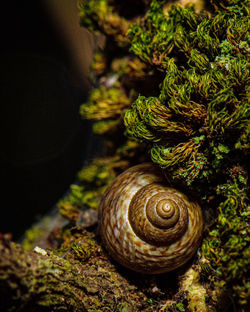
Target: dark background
43,142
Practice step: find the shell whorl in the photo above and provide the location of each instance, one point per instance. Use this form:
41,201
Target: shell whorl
146,225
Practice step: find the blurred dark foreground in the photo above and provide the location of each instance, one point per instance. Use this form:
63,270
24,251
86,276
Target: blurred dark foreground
43,141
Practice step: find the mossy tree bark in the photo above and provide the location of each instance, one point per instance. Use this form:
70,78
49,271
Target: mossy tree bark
79,276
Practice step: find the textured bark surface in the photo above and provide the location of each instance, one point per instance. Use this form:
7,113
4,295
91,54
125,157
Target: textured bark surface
79,276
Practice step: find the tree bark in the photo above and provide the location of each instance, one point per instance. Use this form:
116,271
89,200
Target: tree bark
78,275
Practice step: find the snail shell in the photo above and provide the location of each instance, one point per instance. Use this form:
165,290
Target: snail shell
147,226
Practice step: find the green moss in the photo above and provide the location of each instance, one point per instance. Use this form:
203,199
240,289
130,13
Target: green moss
152,302
92,12
175,307
93,180
36,233
227,244
76,246
196,126
180,307
80,251
101,16
105,102
125,307
31,236
105,126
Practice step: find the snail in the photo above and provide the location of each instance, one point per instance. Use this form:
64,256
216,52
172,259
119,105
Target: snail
146,225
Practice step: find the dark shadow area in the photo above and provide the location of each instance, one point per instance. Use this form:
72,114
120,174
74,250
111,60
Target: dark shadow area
43,140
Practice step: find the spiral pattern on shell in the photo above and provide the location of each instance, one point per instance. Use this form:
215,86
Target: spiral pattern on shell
147,226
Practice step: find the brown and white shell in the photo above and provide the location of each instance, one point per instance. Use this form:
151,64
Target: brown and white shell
147,226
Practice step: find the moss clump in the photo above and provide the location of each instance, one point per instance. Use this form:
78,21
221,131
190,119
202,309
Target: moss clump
196,124
77,244
227,245
105,103
93,180
100,15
